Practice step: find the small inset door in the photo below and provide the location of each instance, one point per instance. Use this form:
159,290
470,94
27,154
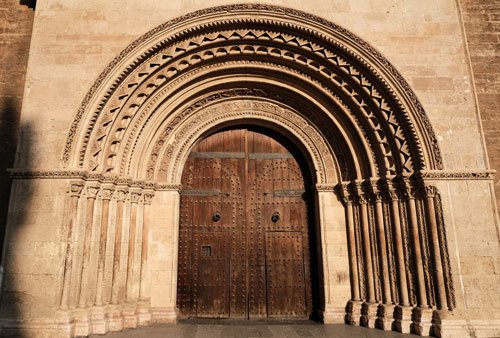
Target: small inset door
244,229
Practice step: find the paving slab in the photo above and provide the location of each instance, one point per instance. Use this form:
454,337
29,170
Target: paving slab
217,328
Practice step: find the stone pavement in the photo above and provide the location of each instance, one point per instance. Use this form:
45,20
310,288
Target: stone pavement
196,328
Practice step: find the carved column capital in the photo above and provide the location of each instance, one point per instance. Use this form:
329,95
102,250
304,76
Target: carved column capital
135,195
148,196
407,189
92,191
376,193
361,192
428,191
121,193
107,192
344,194
76,188
391,191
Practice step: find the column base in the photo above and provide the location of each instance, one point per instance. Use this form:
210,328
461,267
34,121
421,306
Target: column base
334,315
164,315
353,312
129,316
421,321
385,316
402,318
100,322
143,313
368,314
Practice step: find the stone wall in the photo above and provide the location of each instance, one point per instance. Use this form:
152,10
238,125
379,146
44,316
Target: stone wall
16,21
481,21
73,41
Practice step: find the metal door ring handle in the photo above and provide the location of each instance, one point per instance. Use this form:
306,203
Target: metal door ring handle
275,217
216,216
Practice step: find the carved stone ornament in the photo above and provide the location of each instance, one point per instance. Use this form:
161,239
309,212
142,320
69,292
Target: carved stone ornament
169,153
148,196
107,192
135,195
76,188
121,193
92,191
349,71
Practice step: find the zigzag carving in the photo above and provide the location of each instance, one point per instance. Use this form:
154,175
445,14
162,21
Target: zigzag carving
379,110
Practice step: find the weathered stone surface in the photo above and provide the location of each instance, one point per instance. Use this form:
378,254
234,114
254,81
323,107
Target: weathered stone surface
58,249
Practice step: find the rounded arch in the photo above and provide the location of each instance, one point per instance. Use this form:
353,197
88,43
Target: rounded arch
363,107
352,114
243,111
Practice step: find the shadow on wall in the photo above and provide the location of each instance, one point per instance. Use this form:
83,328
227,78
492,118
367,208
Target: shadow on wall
29,3
13,293
9,124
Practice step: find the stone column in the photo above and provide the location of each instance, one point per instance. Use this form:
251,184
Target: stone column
132,287
347,200
385,310
144,291
382,243
92,191
419,266
121,196
398,243
365,238
107,192
76,188
429,193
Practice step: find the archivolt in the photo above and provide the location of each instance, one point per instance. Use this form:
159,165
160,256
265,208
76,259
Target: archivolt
360,101
356,120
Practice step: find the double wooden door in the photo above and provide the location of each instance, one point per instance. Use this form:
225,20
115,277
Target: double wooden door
244,235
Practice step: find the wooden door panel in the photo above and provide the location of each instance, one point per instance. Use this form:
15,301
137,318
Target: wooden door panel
245,176
286,287
211,274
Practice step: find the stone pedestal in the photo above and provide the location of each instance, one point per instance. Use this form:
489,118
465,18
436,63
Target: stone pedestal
143,313
368,314
100,322
421,321
385,316
129,316
402,319
353,312
163,315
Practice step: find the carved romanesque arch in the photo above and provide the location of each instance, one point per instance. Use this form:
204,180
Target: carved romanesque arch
331,61
346,107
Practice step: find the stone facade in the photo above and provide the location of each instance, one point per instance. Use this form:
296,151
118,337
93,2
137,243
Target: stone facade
480,19
114,101
16,22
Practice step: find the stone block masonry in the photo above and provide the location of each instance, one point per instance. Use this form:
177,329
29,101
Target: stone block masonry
16,22
481,21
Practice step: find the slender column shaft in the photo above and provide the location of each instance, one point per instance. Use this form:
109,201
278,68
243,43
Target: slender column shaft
122,195
436,252
75,191
89,220
145,242
366,250
106,197
379,219
396,225
353,261
134,199
419,266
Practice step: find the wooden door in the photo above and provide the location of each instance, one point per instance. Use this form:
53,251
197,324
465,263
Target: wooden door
244,230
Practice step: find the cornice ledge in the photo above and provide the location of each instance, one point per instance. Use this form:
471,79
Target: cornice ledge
21,173
472,175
